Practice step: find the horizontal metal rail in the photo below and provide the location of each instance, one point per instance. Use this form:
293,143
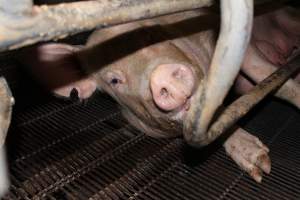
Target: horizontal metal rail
22,24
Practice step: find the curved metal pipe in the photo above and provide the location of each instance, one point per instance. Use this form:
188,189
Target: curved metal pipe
235,32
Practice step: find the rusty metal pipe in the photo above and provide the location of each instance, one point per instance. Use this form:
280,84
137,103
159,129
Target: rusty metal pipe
245,103
58,21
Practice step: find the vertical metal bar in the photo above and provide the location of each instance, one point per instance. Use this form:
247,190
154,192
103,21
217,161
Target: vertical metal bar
236,27
4,181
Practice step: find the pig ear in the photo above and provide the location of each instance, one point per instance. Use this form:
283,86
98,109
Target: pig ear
56,68
237,17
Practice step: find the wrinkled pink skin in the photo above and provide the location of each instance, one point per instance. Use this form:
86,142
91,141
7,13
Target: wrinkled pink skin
154,84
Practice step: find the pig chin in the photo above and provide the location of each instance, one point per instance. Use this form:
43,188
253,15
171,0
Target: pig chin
153,129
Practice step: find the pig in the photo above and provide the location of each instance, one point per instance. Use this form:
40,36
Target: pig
153,67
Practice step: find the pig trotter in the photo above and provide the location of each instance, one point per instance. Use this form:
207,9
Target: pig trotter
249,153
6,103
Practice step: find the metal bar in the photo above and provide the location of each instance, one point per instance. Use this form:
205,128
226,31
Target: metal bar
15,7
4,180
58,21
236,27
245,103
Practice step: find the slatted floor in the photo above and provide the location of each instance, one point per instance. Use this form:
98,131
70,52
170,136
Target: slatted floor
70,150
61,149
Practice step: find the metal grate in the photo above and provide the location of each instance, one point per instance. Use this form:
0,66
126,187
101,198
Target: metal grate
70,150
60,149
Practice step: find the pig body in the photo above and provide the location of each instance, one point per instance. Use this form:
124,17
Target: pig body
145,88
152,68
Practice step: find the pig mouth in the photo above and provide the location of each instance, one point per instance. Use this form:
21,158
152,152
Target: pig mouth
172,86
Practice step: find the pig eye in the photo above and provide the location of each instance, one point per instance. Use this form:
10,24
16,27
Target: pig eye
115,81
114,78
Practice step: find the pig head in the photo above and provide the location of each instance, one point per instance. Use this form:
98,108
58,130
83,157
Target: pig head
157,71
153,84
165,85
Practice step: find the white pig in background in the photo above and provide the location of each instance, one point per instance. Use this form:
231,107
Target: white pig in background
152,67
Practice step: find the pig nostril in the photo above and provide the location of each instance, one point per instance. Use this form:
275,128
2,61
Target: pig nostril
171,85
177,74
164,92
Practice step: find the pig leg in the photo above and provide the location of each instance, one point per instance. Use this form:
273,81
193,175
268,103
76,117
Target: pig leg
246,150
6,103
249,153
55,67
242,105
242,85
257,68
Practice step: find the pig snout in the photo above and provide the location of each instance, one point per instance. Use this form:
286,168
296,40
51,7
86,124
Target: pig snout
171,86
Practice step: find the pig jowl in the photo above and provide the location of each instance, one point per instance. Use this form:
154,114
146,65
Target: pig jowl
152,68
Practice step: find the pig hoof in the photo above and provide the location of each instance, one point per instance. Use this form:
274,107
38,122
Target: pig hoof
249,153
